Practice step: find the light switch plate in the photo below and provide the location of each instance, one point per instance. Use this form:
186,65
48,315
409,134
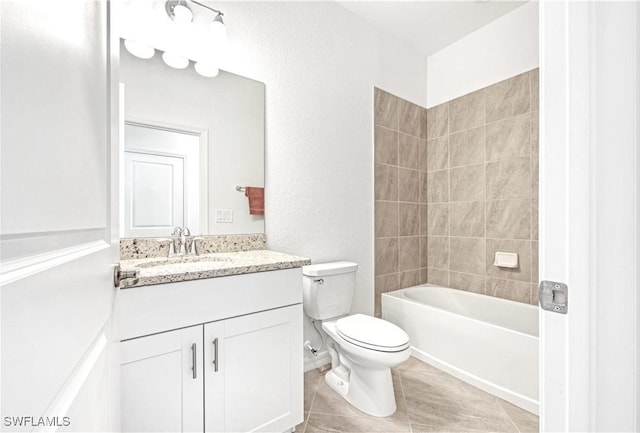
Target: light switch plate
224,216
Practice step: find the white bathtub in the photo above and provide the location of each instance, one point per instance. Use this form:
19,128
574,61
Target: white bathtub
489,342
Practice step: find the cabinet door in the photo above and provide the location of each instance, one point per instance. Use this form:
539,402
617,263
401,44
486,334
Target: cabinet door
161,382
258,385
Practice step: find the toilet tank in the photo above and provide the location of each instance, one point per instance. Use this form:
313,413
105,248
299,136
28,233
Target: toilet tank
328,289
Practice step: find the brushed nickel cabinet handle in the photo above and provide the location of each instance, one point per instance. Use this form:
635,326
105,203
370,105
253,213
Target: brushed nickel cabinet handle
194,366
215,354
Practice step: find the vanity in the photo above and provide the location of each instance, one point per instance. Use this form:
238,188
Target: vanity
210,339
212,343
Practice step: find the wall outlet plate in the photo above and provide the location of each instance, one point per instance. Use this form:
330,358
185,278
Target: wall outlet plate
224,216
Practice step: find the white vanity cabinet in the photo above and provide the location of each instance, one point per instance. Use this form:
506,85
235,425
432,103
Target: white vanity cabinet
161,391
231,374
254,387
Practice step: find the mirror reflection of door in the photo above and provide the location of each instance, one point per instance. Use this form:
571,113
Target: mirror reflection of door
162,181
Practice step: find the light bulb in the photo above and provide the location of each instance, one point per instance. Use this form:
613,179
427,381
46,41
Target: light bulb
206,69
217,28
139,49
175,61
182,14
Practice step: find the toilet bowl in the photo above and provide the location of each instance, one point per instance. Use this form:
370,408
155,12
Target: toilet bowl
361,362
363,349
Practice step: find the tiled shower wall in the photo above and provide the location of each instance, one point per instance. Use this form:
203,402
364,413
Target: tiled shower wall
400,194
453,185
482,194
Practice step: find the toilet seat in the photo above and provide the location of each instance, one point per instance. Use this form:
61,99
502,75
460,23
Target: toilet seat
372,333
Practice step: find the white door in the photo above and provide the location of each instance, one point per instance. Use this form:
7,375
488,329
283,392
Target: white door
59,222
153,195
589,198
164,171
161,378
255,383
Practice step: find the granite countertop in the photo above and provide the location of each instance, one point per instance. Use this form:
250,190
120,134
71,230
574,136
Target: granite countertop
171,270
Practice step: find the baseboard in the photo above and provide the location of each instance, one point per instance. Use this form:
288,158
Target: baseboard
317,361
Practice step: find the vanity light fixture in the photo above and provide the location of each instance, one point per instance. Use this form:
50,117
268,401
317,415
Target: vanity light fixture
179,11
175,61
139,49
206,69
181,14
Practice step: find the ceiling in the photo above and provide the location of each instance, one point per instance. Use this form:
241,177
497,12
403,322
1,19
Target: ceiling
429,26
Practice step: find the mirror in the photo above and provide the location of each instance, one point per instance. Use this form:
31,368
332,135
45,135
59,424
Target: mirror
190,144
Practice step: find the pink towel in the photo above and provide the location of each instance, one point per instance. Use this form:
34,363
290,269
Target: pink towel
256,199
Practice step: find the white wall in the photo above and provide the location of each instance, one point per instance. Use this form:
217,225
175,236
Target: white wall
506,47
320,63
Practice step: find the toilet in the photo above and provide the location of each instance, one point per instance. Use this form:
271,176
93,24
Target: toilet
363,349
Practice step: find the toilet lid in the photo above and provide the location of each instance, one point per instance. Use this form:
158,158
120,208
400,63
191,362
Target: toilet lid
372,333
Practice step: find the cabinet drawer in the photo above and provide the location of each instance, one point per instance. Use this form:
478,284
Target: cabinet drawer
152,309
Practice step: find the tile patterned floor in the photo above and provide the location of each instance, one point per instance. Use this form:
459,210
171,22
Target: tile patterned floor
428,400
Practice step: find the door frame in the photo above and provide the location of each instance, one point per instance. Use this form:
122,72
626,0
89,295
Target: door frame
589,214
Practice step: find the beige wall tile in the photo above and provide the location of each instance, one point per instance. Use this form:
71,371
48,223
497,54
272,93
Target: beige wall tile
438,252
535,90
467,112
386,219
422,164
438,186
438,276
386,182
534,295
408,253
467,147
509,289
423,219
467,183
508,138
535,132
438,219
467,255
384,284
509,179
424,187
534,176
508,98
438,121
521,247
385,109
423,275
410,118
409,151
409,219
534,263
409,278
386,146
386,256
467,282
438,153
424,251
408,185
534,218
509,219
467,219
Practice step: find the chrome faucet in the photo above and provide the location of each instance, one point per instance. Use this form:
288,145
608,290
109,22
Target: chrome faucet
182,243
176,245
189,243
